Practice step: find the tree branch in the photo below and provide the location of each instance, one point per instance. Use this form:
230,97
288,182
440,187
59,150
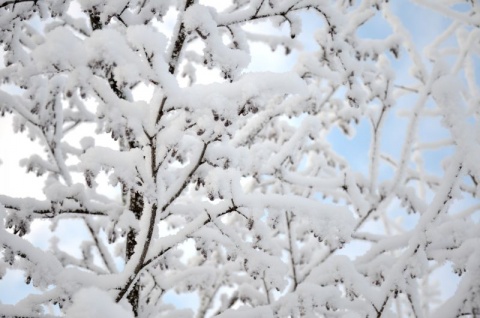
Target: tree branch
14,2
178,46
291,250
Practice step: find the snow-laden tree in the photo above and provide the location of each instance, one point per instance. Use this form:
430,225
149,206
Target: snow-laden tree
242,164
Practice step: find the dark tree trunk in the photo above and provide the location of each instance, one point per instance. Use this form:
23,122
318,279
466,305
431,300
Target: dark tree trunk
136,206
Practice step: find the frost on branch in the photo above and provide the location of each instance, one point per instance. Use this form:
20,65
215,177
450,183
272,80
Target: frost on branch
189,173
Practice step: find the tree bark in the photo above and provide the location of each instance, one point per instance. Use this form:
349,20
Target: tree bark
136,206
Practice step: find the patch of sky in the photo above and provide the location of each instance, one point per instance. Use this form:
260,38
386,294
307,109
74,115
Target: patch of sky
375,28
435,159
462,6
466,206
267,59
476,67
354,149
445,278
14,148
274,59
373,226
354,249
302,166
421,23
188,250
476,215
36,23
310,23
72,232
393,133
11,89
386,171
40,234
432,130
217,301
13,287
470,75
405,219
182,301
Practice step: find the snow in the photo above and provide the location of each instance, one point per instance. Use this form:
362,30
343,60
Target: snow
234,190
259,312
62,50
95,303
